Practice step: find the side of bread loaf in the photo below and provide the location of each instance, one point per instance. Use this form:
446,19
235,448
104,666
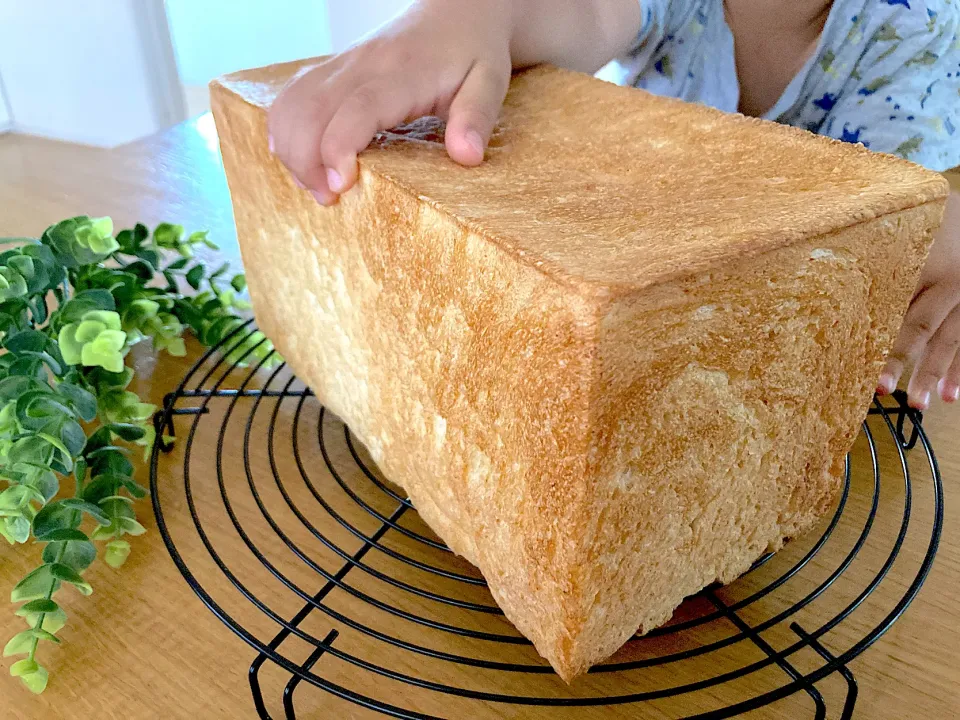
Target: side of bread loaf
598,451
465,373
722,410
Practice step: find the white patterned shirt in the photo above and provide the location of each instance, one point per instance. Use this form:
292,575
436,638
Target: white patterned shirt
886,73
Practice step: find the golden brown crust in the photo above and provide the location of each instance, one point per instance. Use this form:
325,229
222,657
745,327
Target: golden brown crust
602,414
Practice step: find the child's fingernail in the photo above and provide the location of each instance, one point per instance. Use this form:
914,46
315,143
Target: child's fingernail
475,141
296,181
949,391
888,382
923,402
270,144
334,180
322,198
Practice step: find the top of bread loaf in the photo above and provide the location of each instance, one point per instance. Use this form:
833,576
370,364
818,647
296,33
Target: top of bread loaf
612,189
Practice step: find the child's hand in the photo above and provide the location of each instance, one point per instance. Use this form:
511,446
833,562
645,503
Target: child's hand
930,336
451,60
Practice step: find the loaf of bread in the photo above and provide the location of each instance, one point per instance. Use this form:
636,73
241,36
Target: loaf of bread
614,364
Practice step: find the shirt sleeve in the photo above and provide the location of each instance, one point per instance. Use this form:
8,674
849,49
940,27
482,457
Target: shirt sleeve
903,96
654,19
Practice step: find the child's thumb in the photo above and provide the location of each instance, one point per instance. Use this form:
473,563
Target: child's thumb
474,112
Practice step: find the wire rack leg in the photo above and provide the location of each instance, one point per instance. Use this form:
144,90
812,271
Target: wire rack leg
852,689
756,639
291,686
903,411
163,419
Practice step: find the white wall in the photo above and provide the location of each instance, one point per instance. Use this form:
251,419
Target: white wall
352,19
213,37
5,120
99,72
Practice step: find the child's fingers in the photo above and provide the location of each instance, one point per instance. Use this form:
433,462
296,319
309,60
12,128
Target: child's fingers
926,313
950,385
939,355
296,125
474,112
303,158
370,108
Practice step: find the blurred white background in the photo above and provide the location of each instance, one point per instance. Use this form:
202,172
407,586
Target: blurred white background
106,72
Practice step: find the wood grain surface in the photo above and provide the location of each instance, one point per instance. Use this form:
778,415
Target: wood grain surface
144,646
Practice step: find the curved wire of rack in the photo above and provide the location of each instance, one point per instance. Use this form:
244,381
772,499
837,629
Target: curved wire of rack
212,387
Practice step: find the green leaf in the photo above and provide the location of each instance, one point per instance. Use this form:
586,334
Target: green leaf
35,585
118,507
195,276
19,644
80,241
117,552
11,388
76,554
45,483
39,310
14,497
68,574
110,460
92,510
239,282
171,281
41,605
126,431
65,534
105,350
26,341
23,642
23,667
55,516
131,526
134,488
52,621
178,264
167,235
31,450
73,437
100,439
102,486
36,408
6,535
141,269
83,302
80,470
104,532
149,256
18,528
81,399
36,682
70,347
219,271
66,457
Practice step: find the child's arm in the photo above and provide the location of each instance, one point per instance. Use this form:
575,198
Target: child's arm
451,58
930,337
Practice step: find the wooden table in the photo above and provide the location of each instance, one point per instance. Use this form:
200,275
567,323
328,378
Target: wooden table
143,645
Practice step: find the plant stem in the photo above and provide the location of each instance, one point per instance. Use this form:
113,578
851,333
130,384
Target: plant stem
53,584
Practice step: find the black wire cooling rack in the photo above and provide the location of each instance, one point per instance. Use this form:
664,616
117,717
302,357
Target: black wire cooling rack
285,529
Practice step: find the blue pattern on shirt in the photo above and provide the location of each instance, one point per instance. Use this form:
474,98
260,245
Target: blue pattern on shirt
886,73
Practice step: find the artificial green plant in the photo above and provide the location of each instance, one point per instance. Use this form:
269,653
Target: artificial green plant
72,304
